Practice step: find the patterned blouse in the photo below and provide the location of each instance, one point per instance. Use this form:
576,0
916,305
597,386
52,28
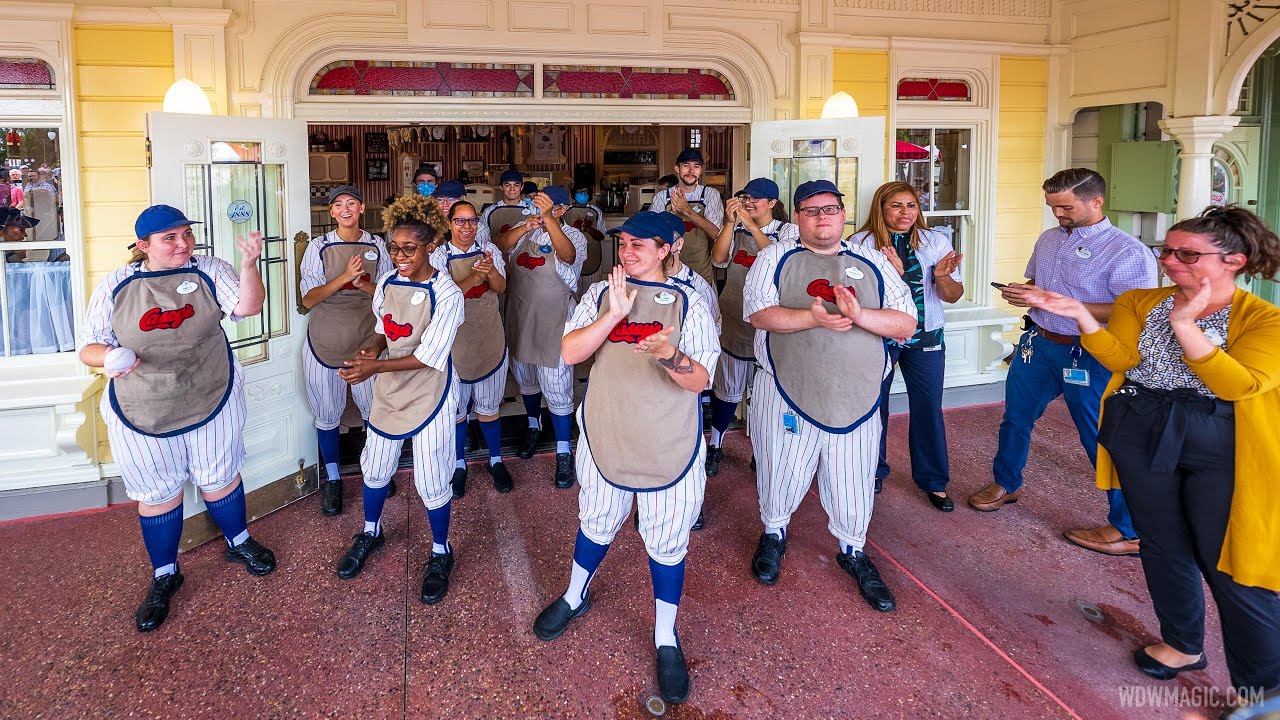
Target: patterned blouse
1162,366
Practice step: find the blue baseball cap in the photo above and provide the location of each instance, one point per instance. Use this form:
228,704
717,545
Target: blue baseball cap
13,216
341,190
814,187
675,223
647,224
450,189
760,189
511,176
690,155
159,218
557,193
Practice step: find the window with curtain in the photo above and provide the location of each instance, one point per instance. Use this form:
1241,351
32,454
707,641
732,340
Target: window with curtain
36,310
936,161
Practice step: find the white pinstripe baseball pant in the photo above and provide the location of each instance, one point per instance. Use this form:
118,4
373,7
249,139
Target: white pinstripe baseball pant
733,376
433,453
666,516
327,393
787,462
555,384
155,469
487,393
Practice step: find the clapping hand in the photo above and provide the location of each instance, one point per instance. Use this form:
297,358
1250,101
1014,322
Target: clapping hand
830,321
250,249
483,266
847,304
1056,303
679,205
657,344
947,264
620,301
891,255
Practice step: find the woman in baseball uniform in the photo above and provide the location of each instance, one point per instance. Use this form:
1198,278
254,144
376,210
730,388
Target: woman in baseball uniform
654,346
750,226
929,265
337,271
419,310
480,349
174,407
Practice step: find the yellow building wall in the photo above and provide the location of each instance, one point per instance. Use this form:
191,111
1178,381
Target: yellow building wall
864,74
121,74
1023,118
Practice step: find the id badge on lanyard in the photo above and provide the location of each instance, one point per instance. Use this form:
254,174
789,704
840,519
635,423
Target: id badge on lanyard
1075,375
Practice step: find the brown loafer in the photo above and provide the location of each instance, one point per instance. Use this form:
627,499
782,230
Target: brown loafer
993,497
1106,540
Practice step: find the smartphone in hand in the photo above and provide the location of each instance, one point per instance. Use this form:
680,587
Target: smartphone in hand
999,286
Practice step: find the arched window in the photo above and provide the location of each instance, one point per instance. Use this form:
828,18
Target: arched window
26,74
1225,184
934,89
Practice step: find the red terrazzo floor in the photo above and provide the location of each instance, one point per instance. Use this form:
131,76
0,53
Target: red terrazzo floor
988,622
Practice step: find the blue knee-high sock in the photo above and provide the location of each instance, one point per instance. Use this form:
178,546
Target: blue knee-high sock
492,431
229,515
533,408
668,586
460,440
560,424
587,556
722,413
374,499
329,453
160,534
439,519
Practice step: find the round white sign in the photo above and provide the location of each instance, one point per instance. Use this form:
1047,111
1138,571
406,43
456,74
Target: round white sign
239,211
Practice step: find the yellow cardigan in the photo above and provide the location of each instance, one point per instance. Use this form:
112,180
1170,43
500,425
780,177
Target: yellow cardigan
1247,373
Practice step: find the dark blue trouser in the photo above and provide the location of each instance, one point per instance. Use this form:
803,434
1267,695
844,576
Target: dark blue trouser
1029,388
922,371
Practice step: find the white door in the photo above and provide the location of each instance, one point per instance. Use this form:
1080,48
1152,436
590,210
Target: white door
236,175
848,151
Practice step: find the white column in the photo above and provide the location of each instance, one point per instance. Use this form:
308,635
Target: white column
1196,136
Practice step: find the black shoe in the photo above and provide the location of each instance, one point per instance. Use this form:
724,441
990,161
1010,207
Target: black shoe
673,673
353,562
502,480
565,476
767,561
256,559
873,589
701,521
943,503
552,621
391,489
635,517
530,442
753,463
436,582
459,482
879,485
1159,670
331,497
714,456
155,606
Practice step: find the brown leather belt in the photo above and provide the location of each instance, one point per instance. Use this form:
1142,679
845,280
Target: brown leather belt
1056,337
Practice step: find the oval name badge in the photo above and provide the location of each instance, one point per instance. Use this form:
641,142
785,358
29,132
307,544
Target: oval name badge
1083,253
418,297
544,248
187,287
854,273
664,298
371,255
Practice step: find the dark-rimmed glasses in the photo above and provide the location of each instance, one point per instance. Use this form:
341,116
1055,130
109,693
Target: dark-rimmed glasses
1186,257
824,209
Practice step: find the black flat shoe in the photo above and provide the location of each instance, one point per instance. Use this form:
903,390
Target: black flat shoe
553,619
459,482
353,562
255,558
435,584
943,503
530,442
870,584
155,606
879,485
331,497
715,456
701,521
502,481
673,674
767,561
565,476
1158,670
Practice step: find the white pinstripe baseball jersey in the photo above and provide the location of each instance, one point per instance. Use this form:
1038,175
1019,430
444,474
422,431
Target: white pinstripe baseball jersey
437,340
713,206
693,281
782,232
567,272
311,271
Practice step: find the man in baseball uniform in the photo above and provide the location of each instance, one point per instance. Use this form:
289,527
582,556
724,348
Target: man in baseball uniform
338,270
510,209
542,276
700,208
823,309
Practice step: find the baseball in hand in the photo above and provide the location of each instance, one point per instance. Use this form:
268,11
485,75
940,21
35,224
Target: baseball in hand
119,359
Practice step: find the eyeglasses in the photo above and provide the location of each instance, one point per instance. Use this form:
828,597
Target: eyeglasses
1186,257
463,222
407,250
825,210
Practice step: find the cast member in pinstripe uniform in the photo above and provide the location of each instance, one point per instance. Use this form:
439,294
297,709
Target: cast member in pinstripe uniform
823,310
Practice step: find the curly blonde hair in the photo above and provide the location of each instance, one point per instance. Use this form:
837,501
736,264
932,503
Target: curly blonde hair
418,214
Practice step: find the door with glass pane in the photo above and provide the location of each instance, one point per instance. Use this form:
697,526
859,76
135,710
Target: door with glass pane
936,161
849,152
237,175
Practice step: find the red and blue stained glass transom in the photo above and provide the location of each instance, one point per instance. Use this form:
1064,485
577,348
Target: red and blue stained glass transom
26,73
439,79
934,89
638,83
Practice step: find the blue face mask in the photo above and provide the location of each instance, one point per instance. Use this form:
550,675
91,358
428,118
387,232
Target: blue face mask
581,198
425,189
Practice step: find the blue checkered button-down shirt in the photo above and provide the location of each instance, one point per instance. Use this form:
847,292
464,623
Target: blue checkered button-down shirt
1093,264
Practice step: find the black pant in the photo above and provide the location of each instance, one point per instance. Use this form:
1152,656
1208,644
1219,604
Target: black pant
1175,457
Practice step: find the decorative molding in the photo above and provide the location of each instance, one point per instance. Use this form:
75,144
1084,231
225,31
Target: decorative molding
153,16
520,112
193,149
430,79
980,8
276,149
1243,17
641,83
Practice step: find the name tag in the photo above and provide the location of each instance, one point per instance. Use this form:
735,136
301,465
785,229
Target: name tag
790,423
187,287
371,255
1075,376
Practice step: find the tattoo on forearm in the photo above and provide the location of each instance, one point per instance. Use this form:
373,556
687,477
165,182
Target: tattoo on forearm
679,363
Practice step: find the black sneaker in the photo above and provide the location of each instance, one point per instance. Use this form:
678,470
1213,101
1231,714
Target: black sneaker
331,497
673,673
714,457
767,562
256,559
565,476
502,481
155,606
435,585
552,621
353,562
530,442
459,482
872,587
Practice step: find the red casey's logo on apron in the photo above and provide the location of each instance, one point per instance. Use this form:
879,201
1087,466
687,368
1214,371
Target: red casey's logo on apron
395,330
157,319
633,332
822,288
477,291
525,260
744,258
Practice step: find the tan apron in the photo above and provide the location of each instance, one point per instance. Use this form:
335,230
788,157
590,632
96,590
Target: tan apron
537,304
480,345
406,400
503,218
172,320
831,379
342,324
643,429
584,219
697,246
737,336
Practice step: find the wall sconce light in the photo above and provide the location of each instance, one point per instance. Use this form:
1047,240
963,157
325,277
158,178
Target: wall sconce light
185,96
840,105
